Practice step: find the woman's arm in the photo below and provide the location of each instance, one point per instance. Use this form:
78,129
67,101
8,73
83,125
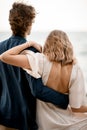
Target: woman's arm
77,92
82,109
13,56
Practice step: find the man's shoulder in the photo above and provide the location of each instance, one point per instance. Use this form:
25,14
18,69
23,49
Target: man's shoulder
2,43
12,41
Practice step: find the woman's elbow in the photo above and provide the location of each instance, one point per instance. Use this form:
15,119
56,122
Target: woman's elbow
3,57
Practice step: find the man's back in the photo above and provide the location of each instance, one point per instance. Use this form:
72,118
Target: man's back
16,101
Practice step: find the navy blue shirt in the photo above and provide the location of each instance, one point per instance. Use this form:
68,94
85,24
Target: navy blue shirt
18,91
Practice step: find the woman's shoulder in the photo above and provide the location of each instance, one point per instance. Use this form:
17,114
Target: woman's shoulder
76,67
76,74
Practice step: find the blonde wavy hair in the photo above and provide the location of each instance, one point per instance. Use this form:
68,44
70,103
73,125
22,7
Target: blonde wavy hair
58,47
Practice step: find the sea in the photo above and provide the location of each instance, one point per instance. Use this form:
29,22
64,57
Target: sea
78,39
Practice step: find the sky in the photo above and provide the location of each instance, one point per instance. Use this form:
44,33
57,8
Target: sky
69,15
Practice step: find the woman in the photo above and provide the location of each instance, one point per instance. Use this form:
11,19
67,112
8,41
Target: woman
60,71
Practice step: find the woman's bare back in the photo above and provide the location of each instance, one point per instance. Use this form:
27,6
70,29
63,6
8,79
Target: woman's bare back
59,77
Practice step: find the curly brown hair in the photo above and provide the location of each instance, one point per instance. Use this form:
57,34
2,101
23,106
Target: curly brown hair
58,47
21,16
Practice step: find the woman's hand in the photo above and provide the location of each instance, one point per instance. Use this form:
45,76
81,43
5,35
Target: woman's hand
35,45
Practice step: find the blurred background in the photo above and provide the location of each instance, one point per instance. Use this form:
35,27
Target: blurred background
67,15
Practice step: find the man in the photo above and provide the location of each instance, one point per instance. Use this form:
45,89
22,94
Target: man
17,89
